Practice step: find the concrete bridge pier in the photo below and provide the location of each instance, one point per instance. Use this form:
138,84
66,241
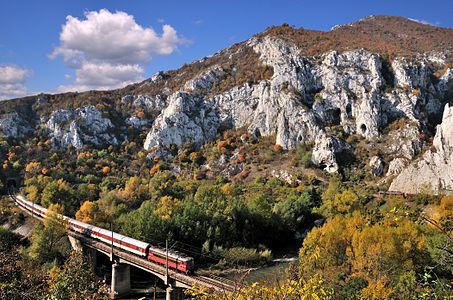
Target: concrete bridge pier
174,293
91,255
75,243
121,280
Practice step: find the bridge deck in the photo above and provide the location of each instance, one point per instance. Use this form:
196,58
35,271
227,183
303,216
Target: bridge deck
181,278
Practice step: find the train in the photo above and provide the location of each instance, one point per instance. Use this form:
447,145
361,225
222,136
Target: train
176,260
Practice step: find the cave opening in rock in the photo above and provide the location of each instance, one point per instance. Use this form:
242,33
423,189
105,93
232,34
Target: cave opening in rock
257,133
363,128
349,110
336,116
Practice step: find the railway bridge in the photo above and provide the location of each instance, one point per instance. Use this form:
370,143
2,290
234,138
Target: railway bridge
121,260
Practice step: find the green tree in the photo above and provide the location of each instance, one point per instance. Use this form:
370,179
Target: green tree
75,280
161,184
87,192
47,235
59,192
294,209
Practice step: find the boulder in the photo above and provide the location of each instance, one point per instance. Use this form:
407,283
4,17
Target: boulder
377,166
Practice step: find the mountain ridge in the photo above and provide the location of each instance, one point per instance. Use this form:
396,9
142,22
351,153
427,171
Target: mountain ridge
301,86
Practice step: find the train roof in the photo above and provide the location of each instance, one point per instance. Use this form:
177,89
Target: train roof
172,253
116,236
35,205
123,238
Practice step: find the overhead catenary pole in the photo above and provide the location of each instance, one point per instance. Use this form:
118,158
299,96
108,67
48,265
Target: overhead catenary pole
111,230
166,260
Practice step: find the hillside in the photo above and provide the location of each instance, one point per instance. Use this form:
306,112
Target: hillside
281,141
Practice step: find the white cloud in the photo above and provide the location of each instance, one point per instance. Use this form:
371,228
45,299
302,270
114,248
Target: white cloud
425,22
111,45
12,79
103,76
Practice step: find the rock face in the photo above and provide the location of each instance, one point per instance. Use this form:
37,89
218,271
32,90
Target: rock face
204,80
305,97
377,166
396,166
136,122
79,126
325,152
149,103
13,125
434,172
186,118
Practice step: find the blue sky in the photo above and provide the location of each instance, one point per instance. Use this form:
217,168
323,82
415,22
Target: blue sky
44,50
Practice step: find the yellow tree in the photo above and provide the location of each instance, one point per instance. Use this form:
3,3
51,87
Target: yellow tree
33,168
167,207
380,253
312,288
90,213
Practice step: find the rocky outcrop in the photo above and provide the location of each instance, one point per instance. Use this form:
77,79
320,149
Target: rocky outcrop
404,142
79,126
14,125
204,81
351,82
303,98
186,118
149,103
396,166
434,172
136,122
377,166
326,150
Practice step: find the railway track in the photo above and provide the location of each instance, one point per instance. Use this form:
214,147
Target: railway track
221,284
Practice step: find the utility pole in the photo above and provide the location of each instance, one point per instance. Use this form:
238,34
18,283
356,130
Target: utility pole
111,230
166,259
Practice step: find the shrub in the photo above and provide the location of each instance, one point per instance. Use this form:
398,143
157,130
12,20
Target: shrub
278,148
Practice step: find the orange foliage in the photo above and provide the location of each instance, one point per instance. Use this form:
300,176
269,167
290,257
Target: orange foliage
105,169
33,167
222,146
11,156
154,169
278,148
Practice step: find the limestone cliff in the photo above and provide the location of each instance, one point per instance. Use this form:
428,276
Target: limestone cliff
434,171
79,126
304,98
